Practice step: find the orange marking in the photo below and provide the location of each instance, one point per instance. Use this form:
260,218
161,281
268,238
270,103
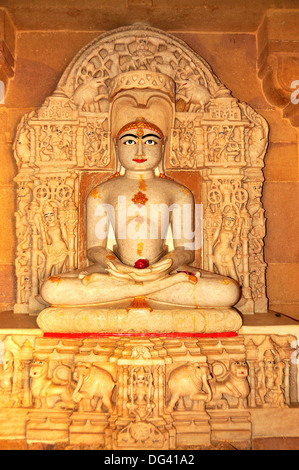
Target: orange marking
142,185
110,257
192,278
55,279
116,175
140,248
139,302
95,194
140,198
163,176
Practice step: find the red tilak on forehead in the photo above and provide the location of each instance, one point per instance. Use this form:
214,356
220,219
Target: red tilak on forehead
141,124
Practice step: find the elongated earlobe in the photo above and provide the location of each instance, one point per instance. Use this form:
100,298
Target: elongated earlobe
161,164
118,165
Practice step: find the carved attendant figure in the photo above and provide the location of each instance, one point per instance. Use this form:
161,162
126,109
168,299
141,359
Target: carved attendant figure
55,247
225,247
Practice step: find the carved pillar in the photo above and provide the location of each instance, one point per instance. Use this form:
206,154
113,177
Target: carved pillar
278,61
7,39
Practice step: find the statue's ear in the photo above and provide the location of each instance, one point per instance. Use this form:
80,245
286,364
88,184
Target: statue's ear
115,148
164,148
161,164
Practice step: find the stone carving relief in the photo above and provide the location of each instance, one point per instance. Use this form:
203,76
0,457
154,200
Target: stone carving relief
189,380
143,393
213,134
230,385
94,387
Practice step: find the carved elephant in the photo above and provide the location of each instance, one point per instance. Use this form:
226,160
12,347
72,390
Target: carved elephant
94,387
189,380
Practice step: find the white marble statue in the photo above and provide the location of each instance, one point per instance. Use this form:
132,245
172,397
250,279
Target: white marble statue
140,206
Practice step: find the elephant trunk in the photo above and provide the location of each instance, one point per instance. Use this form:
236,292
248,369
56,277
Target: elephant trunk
207,387
76,396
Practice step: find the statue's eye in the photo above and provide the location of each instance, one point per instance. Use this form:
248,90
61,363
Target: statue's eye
129,142
150,142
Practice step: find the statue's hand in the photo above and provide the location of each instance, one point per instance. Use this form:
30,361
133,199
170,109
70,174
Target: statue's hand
156,271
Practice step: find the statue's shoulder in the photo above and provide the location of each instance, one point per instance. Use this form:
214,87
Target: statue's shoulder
179,189
102,190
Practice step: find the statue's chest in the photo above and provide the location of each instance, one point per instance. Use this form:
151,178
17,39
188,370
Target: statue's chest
140,197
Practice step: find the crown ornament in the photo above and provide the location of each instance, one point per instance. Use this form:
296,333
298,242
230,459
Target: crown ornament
142,79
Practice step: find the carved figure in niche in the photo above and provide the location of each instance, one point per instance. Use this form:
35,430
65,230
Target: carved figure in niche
184,147
140,391
256,279
24,276
256,211
51,393
227,239
190,380
274,396
261,389
22,147
141,54
55,143
96,145
22,226
161,276
222,143
233,388
94,387
54,246
257,142
6,371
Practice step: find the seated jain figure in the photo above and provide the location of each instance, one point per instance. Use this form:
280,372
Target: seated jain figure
140,207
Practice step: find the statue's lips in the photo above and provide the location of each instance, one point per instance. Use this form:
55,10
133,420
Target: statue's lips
139,160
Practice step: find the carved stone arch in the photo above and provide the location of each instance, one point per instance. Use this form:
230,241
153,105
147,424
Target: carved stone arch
216,146
119,44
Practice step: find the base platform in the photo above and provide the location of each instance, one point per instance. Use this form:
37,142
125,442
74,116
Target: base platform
138,320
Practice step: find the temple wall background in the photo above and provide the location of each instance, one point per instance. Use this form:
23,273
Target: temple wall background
255,54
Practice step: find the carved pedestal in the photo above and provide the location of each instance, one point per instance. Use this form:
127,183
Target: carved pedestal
192,430
48,426
128,392
88,429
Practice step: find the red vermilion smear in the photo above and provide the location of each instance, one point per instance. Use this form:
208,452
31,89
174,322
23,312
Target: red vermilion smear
228,334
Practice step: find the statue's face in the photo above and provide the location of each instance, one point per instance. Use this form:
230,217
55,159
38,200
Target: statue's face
139,150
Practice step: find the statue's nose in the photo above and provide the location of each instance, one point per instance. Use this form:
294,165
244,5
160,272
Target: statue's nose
139,147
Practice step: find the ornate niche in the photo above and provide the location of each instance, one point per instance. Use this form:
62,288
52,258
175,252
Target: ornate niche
214,140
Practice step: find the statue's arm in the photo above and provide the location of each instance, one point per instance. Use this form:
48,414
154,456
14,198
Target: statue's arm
182,225
97,230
